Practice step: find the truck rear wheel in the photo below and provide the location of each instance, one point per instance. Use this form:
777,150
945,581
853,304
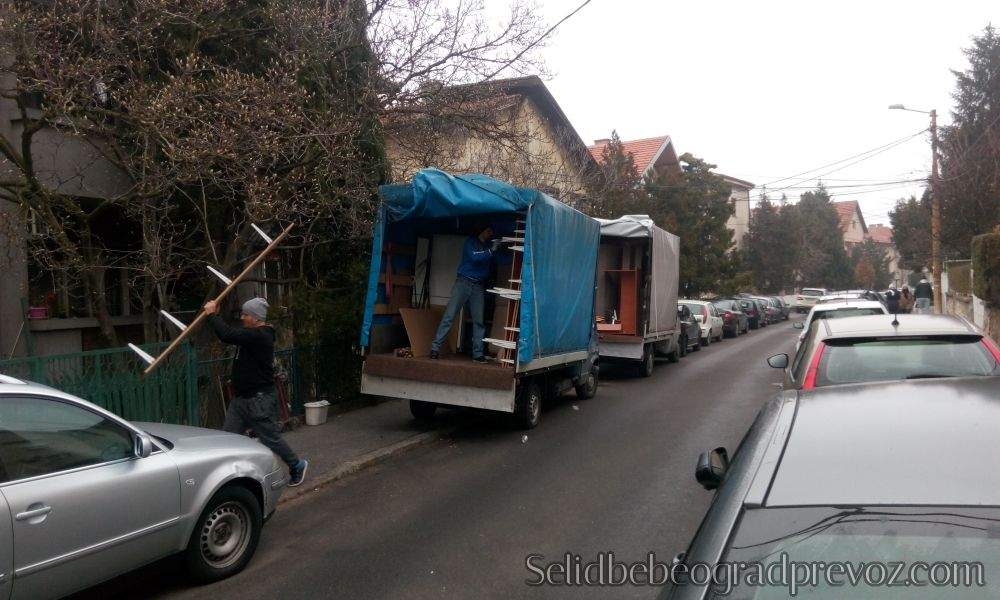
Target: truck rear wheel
648,361
528,407
676,355
422,411
587,389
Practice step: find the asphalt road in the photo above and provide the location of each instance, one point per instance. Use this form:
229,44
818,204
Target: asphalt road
457,519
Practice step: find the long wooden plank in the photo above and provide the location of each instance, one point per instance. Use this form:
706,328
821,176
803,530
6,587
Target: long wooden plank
201,315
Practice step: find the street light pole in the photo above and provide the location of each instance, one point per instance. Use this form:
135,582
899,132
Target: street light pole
935,218
935,208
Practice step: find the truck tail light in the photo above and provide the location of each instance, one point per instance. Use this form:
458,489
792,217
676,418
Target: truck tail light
810,380
727,316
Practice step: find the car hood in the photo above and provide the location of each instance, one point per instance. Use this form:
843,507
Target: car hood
184,437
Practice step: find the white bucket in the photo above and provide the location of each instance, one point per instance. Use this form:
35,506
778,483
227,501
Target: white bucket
316,412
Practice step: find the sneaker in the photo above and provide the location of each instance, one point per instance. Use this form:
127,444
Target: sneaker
480,359
434,354
297,474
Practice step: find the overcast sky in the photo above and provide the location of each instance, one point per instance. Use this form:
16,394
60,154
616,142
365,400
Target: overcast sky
768,89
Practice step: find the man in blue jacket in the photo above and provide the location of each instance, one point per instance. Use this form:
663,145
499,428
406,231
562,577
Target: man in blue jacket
469,288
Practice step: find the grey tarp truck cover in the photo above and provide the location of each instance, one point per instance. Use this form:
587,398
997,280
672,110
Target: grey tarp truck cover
664,270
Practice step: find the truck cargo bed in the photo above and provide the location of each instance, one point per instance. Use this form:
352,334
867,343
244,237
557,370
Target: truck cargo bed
450,380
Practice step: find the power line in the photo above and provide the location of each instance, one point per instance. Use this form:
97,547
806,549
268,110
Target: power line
882,147
863,157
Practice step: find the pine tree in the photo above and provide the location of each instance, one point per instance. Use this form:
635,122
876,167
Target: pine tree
694,205
824,262
911,227
969,187
619,191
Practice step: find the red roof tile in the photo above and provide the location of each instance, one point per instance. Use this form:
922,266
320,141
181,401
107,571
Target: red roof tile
845,211
643,151
880,233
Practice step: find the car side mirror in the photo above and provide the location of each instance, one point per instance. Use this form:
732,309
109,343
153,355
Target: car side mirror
712,467
778,361
143,445
799,325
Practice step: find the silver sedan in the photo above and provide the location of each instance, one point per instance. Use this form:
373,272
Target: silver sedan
86,496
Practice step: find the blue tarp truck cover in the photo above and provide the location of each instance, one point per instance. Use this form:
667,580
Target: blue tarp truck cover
560,253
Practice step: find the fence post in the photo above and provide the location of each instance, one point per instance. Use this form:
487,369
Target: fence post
193,409
296,382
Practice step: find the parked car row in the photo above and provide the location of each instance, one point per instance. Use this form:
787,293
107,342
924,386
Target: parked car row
864,451
706,321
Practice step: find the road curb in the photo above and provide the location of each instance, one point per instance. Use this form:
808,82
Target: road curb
364,461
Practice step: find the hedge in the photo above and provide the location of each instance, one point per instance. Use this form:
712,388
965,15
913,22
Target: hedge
986,267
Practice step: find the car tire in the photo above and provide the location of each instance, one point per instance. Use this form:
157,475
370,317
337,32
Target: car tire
226,535
528,408
422,411
588,388
705,341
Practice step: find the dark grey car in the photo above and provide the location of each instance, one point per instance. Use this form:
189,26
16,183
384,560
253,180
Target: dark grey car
862,473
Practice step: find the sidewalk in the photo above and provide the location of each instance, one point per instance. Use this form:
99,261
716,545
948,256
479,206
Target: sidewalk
354,440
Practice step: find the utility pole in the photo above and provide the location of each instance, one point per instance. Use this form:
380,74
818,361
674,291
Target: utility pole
935,219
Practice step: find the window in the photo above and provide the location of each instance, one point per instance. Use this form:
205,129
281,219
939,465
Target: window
855,361
840,313
39,436
862,535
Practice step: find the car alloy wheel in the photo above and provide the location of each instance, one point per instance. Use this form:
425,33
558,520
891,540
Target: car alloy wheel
225,535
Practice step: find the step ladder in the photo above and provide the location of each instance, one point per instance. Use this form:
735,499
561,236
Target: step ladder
512,293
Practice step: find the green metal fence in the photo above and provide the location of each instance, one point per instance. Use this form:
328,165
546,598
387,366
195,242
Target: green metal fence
184,389
113,379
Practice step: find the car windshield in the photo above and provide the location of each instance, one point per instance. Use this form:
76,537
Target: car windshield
725,305
859,536
856,361
812,292
840,313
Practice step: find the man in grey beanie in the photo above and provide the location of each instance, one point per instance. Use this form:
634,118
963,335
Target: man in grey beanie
255,404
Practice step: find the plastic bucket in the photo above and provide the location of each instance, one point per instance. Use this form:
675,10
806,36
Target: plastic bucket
316,412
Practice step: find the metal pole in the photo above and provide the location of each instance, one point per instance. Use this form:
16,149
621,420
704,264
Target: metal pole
935,218
201,315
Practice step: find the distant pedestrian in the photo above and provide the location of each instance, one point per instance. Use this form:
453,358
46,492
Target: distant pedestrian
255,404
892,299
906,300
923,294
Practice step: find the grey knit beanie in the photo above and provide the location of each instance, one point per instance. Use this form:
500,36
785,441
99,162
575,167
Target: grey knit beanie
257,308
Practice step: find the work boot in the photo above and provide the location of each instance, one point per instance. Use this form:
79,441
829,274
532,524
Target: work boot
434,354
297,473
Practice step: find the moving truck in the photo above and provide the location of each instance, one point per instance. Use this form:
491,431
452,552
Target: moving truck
637,278
539,307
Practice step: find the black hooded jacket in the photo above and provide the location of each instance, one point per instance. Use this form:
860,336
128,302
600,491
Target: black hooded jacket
253,367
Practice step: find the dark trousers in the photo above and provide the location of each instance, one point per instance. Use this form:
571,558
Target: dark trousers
260,413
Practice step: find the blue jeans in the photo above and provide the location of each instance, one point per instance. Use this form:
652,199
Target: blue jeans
464,291
922,305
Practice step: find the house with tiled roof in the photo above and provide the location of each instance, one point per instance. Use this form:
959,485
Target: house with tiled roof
652,156
852,223
882,235
656,155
